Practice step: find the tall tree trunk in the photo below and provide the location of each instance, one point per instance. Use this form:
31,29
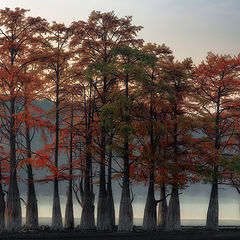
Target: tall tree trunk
109,191
57,223
31,207
150,217
2,202
13,211
87,218
69,217
162,208
213,208
173,217
103,218
125,211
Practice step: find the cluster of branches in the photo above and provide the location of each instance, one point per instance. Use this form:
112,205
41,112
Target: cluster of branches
117,109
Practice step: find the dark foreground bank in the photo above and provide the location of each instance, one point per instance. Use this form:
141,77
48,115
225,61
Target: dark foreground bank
193,233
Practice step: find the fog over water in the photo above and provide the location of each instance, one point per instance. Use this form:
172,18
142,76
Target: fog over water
193,201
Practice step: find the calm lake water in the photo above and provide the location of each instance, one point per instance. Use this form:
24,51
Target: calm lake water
138,222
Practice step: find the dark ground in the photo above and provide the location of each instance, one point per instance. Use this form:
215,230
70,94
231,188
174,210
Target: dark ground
193,233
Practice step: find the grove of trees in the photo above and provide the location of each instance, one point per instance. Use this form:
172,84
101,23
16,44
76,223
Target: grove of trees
119,110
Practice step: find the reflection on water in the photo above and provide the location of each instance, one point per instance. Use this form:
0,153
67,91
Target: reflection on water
138,222
202,222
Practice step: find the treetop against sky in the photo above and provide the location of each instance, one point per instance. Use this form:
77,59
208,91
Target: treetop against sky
116,102
189,28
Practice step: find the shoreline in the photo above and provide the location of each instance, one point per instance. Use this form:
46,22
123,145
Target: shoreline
187,232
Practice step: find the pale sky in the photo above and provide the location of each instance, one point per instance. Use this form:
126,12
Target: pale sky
190,28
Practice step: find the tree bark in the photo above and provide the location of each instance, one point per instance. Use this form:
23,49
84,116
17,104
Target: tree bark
213,208
109,191
69,217
57,224
103,218
125,212
87,218
13,211
150,217
162,208
2,202
31,207
173,217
